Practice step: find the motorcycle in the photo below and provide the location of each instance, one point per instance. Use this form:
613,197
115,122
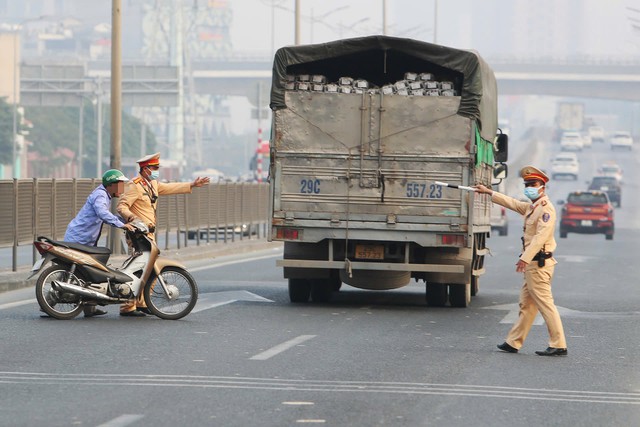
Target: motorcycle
79,276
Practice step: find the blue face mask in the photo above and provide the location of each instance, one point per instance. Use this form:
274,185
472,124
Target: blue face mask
532,192
154,175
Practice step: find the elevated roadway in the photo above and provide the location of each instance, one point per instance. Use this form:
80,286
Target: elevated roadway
603,78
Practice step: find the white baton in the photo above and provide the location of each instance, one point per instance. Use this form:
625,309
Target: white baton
461,187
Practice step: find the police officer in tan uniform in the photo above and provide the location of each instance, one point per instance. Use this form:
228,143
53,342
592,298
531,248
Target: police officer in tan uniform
536,262
140,200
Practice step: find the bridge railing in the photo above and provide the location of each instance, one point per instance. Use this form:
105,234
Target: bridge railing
212,213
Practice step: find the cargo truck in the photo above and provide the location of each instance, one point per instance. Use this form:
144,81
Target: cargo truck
362,130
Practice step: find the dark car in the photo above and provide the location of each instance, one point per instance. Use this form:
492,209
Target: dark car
587,212
609,185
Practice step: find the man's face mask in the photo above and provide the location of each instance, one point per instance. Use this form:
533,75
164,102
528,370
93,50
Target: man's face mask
532,193
154,174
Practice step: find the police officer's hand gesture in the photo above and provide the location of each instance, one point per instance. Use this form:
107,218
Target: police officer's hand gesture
200,181
482,189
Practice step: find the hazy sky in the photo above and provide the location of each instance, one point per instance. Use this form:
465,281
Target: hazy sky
606,28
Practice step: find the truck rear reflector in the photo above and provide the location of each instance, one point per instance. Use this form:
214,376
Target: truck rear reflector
452,239
282,233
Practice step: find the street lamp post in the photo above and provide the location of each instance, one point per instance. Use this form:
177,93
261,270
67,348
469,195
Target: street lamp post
16,72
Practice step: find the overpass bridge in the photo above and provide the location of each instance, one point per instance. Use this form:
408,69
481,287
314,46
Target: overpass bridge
599,78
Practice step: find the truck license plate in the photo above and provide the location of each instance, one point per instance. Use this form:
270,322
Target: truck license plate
586,223
369,251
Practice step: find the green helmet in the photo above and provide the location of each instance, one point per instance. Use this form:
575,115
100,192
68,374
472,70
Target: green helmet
112,176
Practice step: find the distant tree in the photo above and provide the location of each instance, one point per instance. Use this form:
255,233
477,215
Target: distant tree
58,127
6,132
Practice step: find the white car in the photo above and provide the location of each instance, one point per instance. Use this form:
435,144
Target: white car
586,140
571,141
621,139
611,169
596,133
565,164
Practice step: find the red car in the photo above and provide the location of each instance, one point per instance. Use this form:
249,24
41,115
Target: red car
587,212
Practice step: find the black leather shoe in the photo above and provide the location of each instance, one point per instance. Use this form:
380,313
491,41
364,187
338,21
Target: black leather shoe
144,310
133,313
550,351
506,347
94,312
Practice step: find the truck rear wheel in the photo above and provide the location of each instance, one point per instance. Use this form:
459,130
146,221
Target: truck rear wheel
299,290
321,290
436,294
460,295
475,286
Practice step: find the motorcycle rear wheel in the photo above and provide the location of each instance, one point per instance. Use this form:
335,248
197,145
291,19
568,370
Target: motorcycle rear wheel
183,297
59,305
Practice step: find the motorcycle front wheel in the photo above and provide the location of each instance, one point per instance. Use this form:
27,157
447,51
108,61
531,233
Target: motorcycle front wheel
59,305
181,296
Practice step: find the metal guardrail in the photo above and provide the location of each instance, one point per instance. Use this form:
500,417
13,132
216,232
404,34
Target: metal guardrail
215,212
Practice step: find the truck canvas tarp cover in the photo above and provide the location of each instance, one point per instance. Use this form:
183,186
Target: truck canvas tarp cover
383,60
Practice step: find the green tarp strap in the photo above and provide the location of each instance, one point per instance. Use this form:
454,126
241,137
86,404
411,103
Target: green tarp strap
484,150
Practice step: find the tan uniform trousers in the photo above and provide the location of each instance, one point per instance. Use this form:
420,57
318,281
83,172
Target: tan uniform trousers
535,296
128,306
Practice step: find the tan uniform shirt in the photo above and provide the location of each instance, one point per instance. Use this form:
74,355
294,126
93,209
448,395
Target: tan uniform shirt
539,224
137,198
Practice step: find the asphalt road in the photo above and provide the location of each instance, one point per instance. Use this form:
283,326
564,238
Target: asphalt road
248,357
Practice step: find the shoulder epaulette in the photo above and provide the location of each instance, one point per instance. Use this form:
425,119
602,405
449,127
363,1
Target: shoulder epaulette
138,180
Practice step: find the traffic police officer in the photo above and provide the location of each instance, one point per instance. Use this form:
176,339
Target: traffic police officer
536,262
140,200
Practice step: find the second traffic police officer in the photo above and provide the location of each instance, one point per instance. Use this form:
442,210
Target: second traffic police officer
536,262
140,200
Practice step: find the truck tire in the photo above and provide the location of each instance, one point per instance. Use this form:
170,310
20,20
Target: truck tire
299,290
460,295
475,286
436,294
321,290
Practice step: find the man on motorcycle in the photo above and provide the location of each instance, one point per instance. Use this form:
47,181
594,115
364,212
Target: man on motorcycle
86,227
140,200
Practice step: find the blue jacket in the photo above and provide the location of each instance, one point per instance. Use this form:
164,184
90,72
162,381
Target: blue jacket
85,228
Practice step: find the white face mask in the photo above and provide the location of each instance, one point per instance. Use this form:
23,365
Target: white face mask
154,175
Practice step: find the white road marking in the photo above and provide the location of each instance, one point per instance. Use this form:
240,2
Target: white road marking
267,354
514,312
17,303
311,421
576,258
122,420
39,379
216,299
298,403
235,261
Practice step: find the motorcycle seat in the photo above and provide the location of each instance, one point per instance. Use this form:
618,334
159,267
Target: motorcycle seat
94,250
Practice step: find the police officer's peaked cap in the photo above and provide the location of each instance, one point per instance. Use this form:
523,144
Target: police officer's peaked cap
531,174
150,160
